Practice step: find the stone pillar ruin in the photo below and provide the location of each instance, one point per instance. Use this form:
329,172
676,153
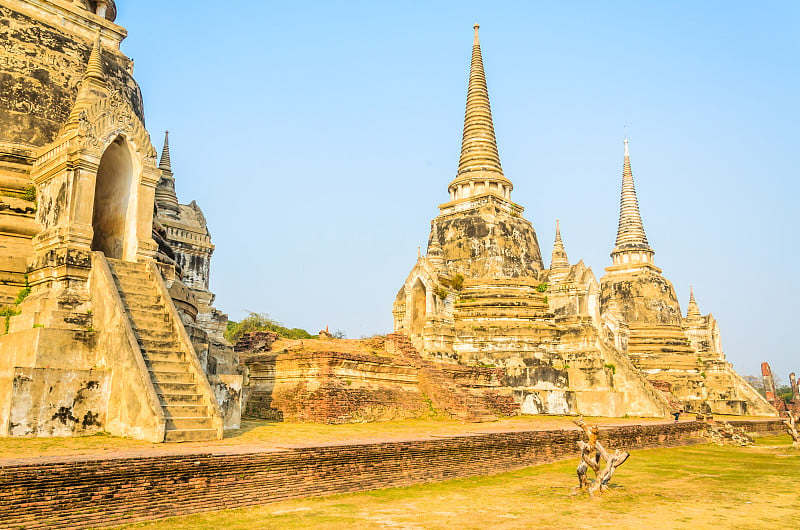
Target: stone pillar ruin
769,382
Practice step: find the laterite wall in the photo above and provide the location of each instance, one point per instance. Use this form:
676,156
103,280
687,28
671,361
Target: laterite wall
105,492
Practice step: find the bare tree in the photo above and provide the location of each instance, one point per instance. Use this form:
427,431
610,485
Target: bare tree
591,454
792,428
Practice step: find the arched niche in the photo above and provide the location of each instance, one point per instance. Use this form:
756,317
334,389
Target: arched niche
419,306
113,211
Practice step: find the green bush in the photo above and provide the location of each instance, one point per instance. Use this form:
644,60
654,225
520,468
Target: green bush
22,294
262,322
612,367
29,193
457,281
542,287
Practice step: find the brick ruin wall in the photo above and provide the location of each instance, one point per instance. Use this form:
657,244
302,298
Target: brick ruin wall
344,387
331,387
106,492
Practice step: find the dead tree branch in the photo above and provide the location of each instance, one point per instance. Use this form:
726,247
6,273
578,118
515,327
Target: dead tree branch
591,454
792,428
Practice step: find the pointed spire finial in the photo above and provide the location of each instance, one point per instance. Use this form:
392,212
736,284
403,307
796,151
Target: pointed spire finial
693,310
92,85
479,162
630,232
94,69
559,259
166,164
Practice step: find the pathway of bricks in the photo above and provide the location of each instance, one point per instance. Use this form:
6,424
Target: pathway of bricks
296,436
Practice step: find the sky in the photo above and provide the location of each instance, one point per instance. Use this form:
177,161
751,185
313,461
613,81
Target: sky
320,137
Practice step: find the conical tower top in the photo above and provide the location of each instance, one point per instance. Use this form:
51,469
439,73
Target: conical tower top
166,164
631,239
165,196
479,169
559,259
94,69
693,310
92,86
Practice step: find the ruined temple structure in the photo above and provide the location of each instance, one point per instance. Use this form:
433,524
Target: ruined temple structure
640,312
567,343
110,324
771,391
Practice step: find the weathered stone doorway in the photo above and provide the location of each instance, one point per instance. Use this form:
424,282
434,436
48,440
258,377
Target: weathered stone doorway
112,196
419,299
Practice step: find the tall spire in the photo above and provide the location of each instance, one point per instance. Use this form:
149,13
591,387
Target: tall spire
165,164
559,259
166,198
693,310
480,161
631,238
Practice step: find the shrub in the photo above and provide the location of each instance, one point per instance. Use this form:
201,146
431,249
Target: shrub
612,367
457,281
29,193
262,322
542,287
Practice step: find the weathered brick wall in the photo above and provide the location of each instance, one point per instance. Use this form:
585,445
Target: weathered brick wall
332,387
95,493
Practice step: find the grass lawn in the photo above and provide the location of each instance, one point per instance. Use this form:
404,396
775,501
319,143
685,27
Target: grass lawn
692,487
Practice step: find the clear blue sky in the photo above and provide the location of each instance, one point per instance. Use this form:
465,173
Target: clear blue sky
319,138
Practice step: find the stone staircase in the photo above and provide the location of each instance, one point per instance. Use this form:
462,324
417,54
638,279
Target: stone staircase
188,417
445,393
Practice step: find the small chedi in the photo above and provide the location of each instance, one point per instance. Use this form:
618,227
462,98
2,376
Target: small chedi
109,320
566,342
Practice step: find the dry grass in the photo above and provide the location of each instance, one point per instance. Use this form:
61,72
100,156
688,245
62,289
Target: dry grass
692,487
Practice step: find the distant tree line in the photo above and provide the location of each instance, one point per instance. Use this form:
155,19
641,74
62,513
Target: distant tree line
783,391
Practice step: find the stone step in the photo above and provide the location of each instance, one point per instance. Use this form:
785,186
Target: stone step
190,435
144,300
127,265
143,286
166,351
159,344
147,316
167,387
165,356
131,274
182,399
169,377
122,273
147,325
185,411
167,366
155,333
131,307
189,424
